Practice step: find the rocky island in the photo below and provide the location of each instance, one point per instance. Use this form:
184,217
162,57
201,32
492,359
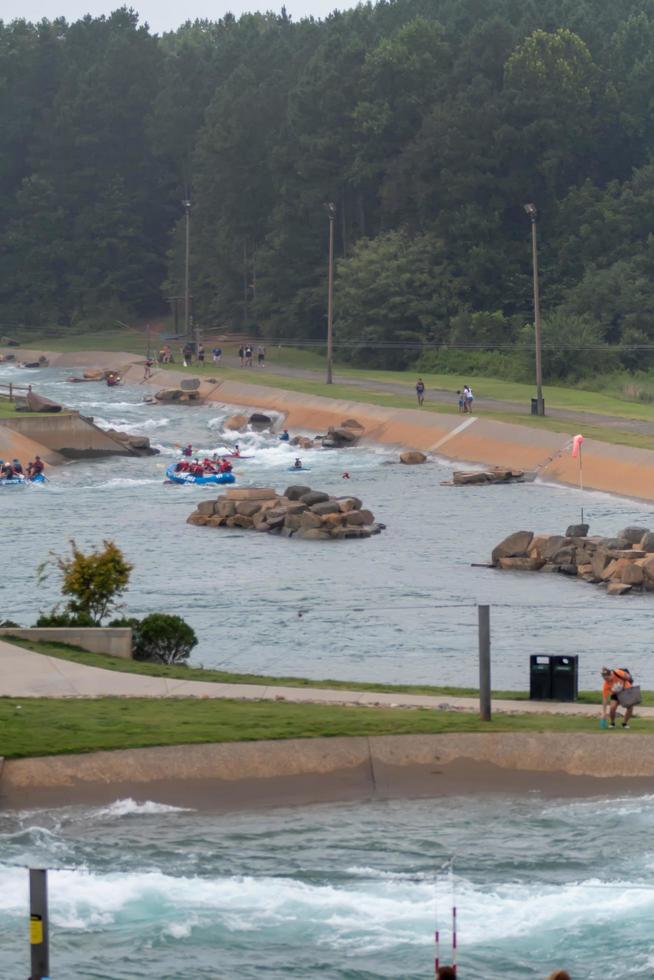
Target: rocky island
299,512
621,564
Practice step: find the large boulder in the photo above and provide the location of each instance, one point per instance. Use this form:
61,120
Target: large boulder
297,492
577,531
259,422
309,519
237,423
326,507
632,574
38,403
466,477
347,504
521,564
336,438
248,507
314,497
633,534
207,507
167,395
515,546
303,442
646,543
412,456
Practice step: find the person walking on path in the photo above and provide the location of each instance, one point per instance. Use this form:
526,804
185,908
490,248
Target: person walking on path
617,680
468,399
420,391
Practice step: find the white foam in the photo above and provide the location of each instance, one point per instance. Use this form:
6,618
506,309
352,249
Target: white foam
129,807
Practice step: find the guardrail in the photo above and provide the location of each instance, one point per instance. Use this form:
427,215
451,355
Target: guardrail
8,391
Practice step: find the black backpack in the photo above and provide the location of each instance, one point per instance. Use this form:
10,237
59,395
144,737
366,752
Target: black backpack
626,671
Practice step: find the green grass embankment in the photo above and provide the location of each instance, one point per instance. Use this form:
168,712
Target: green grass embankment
45,726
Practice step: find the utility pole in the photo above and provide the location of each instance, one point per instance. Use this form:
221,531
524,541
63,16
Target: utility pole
331,211
187,253
532,211
483,613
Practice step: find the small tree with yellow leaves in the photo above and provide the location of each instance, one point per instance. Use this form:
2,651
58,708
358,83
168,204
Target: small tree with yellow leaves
94,582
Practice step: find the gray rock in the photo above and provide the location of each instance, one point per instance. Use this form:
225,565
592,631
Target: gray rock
248,507
326,507
515,546
646,543
313,497
226,508
565,556
296,492
615,544
313,534
577,531
207,507
553,545
633,534
258,421
309,520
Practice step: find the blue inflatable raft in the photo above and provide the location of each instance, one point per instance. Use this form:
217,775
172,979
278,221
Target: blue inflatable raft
210,478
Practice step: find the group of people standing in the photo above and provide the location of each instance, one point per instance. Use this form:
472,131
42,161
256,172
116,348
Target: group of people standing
465,397
246,355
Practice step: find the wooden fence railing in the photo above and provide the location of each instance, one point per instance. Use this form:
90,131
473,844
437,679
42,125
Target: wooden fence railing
10,390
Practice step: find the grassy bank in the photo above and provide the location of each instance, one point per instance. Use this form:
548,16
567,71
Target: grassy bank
181,672
37,727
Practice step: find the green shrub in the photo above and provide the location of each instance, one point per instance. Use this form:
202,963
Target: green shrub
159,638
55,618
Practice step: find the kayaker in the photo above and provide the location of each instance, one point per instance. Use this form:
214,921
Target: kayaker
285,436
187,450
297,465
236,451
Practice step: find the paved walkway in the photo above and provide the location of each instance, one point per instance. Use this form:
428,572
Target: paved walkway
256,375
25,674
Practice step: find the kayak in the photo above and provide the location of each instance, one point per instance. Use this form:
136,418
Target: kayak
210,478
299,469
234,456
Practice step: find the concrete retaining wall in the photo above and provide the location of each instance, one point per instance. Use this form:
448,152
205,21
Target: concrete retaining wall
117,642
310,770
70,435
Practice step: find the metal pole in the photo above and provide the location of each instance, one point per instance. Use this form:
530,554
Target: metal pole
39,946
187,253
330,295
484,663
539,368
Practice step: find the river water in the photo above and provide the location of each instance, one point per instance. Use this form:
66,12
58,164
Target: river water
399,607
338,892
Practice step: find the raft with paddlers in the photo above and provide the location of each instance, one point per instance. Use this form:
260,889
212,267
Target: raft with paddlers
22,481
186,476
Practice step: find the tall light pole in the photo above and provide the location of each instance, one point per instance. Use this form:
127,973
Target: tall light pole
187,320
331,211
532,211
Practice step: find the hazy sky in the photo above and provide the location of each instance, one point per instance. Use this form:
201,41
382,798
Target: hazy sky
163,15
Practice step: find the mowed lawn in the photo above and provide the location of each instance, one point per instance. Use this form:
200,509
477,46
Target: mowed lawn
45,726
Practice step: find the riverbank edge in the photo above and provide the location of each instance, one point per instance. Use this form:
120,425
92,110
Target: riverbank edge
608,468
241,775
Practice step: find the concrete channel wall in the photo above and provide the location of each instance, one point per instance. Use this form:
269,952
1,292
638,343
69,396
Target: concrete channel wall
69,434
302,771
114,641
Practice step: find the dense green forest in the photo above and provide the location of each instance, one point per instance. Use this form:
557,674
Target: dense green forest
428,123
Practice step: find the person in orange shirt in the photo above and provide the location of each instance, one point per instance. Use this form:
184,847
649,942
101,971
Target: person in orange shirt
615,680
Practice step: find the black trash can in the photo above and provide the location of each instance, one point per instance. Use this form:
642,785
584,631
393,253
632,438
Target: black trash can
565,678
540,678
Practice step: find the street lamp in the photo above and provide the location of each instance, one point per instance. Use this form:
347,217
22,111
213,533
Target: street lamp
331,212
187,215
532,211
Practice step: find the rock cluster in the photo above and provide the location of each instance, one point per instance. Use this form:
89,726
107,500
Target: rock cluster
347,433
498,474
168,395
300,512
257,421
622,564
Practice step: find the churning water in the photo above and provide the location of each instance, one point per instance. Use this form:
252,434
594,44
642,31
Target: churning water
338,892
